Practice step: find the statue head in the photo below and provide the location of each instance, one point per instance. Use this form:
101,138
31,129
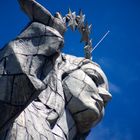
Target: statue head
86,91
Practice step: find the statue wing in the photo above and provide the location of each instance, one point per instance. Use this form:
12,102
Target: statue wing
36,11
21,60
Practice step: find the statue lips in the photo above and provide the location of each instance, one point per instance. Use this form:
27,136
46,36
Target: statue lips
99,104
96,105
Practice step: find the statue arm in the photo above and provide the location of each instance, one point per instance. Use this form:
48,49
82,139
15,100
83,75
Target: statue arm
35,11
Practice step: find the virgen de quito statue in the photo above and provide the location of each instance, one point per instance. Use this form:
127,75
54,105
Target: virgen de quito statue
44,94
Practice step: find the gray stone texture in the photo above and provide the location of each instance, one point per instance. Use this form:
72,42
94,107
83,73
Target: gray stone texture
36,12
44,94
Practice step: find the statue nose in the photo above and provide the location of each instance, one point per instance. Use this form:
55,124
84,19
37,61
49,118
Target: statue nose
106,96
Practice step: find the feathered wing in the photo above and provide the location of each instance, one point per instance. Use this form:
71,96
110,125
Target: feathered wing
36,11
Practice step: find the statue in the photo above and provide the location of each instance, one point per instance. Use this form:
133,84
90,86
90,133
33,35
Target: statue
45,94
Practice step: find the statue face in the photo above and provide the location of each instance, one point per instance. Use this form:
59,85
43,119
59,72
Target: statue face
86,95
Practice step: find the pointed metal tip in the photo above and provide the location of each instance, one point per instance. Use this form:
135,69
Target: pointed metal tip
108,31
58,15
90,26
69,10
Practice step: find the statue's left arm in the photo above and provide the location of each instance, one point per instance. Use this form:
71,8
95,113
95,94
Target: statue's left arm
21,62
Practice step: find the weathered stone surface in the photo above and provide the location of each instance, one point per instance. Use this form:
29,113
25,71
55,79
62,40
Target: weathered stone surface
7,82
69,89
37,12
44,94
67,99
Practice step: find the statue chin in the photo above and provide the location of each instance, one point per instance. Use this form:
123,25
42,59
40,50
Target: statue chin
87,118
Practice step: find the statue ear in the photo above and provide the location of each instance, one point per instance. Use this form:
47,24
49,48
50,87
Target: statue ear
35,11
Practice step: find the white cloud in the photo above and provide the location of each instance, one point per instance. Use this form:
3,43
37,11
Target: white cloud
102,132
105,62
114,88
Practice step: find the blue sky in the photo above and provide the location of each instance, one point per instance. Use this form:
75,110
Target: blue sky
118,55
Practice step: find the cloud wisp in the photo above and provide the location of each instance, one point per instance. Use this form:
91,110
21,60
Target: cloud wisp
114,88
102,132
